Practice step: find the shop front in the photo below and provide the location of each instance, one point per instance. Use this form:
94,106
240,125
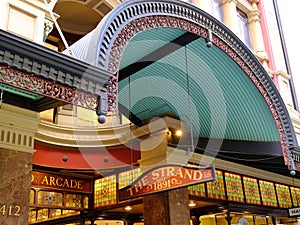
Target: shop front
219,197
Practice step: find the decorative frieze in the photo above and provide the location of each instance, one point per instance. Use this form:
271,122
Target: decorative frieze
34,84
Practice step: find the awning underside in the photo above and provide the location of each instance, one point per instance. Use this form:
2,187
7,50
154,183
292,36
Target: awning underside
168,72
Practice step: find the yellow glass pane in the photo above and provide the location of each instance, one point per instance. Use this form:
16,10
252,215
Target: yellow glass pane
251,190
105,192
215,189
32,196
283,195
295,196
32,215
268,194
234,187
197,190
42,214
50,198
77,201
126,178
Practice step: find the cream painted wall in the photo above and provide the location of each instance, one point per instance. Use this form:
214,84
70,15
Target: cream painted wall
14,13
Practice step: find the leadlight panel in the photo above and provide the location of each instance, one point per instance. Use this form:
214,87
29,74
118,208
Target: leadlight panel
268,194
234,187
127,177
283,195
50,198
77,201
197,190
215,189
251,190
295,192
105,191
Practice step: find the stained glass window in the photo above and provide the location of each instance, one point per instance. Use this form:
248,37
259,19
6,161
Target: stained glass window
283,195
251,190
42,214
50,198
268,194
126,178
32,196
32,215
295,196
215,189
234,187
53,213
197,190
105,191
77,201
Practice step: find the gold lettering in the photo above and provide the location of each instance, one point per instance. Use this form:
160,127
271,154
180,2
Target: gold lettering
45,179
18,209
52,181
32,177
79,186
59,182
66,183
73,183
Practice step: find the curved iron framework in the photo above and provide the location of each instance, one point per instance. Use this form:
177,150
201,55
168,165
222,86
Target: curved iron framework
111,36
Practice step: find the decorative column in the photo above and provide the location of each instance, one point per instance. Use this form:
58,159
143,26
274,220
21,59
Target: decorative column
168,207
230,15
17,129
256,36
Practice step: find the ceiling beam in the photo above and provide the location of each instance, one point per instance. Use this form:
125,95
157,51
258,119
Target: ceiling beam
158,54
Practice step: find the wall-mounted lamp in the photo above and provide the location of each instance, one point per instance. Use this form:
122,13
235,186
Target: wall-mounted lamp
192,204
128,208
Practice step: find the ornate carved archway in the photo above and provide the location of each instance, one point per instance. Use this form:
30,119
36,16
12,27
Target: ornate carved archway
104,46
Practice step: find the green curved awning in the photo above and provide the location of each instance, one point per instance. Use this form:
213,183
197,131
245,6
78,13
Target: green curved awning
195,82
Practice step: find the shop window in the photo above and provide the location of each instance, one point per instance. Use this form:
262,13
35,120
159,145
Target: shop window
244,28
268,194
215,189
50,198
216,9
234,187
251,190
105,191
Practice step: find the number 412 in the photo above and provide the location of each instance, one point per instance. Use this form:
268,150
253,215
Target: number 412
10,210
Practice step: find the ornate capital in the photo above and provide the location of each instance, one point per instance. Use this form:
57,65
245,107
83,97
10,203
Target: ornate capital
253,16
48,27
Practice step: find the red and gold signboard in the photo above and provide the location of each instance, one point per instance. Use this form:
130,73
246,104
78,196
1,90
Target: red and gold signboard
61,182
166,178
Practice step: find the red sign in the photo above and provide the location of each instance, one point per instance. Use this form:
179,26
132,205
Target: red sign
61,182
166,178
